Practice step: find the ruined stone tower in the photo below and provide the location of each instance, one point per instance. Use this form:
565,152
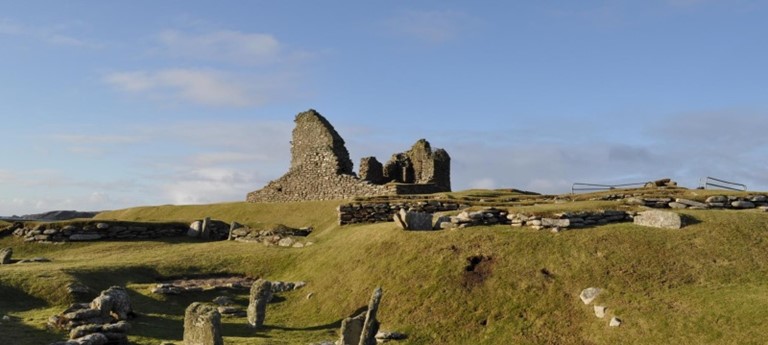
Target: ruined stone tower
321,168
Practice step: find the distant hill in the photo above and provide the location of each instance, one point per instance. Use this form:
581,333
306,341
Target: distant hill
56,215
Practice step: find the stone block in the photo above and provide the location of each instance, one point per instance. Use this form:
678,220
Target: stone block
659,219
202,325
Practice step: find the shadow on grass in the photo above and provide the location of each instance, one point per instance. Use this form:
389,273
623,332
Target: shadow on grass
13,300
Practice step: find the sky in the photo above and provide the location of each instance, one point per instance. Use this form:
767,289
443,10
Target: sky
113,104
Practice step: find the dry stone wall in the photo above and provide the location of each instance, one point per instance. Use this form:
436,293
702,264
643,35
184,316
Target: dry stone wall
384,211
321,168
105,230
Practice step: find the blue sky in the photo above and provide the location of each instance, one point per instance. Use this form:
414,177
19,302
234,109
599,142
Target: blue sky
107,105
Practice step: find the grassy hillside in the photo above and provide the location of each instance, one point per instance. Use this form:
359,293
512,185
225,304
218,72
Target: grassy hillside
704,284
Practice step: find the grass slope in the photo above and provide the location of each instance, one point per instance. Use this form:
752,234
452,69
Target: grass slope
704,284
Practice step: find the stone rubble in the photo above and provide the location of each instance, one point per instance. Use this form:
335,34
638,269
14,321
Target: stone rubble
103,321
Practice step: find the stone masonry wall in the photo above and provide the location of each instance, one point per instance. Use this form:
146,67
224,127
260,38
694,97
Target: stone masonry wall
105,230
384,211
321,168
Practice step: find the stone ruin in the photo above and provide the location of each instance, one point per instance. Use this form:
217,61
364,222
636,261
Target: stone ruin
322,170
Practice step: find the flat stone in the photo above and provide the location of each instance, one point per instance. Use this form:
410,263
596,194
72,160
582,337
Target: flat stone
677,205
84,237
691,203
589,294
659,219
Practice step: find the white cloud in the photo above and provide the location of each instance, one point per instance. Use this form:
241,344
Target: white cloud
206,87
43,34
223,45
432,26
483,183
209,185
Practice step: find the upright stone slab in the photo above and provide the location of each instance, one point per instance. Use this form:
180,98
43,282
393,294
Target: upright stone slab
659,219
261,293
202,325
5,255
371,325
205,231
351,328
418,220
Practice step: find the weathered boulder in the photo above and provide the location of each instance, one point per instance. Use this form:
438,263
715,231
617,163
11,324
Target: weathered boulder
202,325
589,294
743,204
261,294
351,328
5,256
719,199
659,219
113,302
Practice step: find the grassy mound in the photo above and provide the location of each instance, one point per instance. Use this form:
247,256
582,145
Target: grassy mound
704,284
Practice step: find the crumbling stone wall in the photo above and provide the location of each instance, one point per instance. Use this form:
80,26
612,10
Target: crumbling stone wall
321,168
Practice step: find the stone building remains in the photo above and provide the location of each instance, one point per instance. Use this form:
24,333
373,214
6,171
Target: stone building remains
322,170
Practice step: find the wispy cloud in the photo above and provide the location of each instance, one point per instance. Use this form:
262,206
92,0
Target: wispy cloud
436,26
206,87
224,45
47,35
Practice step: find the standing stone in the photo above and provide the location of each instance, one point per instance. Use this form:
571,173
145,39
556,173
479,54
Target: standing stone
589,294
398,218
659,219
202,325
418,220
5,255
205,231
371,325
232,227
351,328
261,293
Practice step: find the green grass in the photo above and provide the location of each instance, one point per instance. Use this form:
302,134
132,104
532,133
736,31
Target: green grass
704,284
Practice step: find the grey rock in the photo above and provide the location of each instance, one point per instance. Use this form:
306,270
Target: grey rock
691,203
78,288
5,256
85,237
742,204
615,322
387,335
115,302
102,226
92,339
195,228
286,242
677,205
205,229
554,222
589,294
716,199
261,294
223,300
659,219
399,218
759,198
202,325
418,220
371,325
440,221
351,328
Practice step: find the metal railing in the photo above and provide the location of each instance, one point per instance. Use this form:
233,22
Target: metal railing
591,187
706,182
